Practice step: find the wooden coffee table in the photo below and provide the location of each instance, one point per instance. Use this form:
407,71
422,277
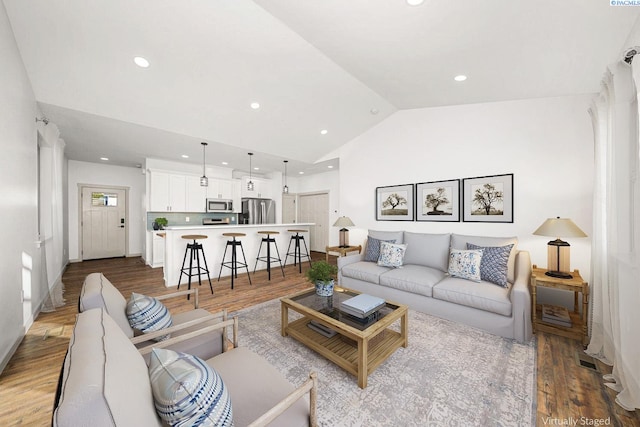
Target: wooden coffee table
355,348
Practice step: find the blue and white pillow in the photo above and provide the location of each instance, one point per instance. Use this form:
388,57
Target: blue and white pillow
373,248
465,264
391,254
187,391
495,259
148,314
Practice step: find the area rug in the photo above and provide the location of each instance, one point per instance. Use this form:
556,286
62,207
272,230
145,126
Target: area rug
449,375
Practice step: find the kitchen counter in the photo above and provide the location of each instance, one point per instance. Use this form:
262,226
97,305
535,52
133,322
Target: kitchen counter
215,244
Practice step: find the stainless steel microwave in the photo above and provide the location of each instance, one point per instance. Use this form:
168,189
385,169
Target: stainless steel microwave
219,205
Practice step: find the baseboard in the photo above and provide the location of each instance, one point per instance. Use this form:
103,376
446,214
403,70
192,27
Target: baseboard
7,358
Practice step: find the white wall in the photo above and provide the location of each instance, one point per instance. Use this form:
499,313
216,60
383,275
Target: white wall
107,176
322,182
18,186
546,143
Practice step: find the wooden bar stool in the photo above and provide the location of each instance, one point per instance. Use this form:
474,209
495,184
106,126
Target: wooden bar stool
297,249
268,240
193,250
234,263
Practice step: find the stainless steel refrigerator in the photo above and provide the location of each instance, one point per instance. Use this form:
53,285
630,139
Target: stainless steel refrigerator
258,211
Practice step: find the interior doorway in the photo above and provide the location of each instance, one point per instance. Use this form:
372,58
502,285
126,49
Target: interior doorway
103,227
315,208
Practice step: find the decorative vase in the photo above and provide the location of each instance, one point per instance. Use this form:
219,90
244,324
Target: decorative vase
324,289
155,226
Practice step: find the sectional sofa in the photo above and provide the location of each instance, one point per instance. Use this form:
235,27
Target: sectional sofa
424,284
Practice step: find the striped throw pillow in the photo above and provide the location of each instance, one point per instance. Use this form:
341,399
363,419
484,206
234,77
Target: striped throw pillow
148,314
187,391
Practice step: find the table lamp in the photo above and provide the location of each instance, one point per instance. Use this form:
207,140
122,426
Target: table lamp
559,227
344,221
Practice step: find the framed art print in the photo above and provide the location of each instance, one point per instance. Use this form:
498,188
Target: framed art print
394,203
488,198
438,201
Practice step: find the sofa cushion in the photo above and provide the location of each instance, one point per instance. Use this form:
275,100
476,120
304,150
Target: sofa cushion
431,250
148,314
482,295
98,292
104,377
187,391
387,235
416,279
205,345
365,271
495,259
465,264
259,386
372,253
391,254
459,241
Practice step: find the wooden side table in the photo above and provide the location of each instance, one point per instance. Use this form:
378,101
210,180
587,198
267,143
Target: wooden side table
576,284
342,251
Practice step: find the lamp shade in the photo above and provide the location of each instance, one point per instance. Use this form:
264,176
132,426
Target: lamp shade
559,227
344,221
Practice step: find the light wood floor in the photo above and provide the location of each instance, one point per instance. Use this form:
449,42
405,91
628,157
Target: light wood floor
28,383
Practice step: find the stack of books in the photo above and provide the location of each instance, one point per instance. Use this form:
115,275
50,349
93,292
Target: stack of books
556,315
362,308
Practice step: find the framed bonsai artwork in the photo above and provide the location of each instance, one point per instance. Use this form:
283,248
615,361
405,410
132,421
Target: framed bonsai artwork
488,198
394,203
438,201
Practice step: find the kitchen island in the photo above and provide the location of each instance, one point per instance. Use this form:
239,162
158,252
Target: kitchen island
215,244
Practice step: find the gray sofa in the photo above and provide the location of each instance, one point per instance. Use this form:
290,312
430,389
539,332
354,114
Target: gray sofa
424,285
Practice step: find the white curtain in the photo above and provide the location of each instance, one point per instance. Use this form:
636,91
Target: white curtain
615,288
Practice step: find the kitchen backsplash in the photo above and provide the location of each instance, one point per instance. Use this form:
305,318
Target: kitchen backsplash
195,218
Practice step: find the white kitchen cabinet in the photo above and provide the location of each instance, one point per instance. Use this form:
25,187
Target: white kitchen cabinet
196,195
158,251
226,189
167,192
261,188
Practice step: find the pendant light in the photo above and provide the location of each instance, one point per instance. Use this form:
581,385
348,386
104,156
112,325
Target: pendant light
285,189
250,183
204,181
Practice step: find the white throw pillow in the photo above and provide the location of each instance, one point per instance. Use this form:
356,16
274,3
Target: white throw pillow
465,264
148,314
391,254
187,391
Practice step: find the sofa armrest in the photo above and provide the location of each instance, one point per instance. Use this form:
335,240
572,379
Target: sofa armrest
193,292
176,339
310,386
521,297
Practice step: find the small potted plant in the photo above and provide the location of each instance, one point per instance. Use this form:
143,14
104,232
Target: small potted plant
160,223
322,274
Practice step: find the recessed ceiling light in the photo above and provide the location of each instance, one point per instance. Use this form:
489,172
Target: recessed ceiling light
255,105
184,156
324,132
141,62
415,2
256,168
104,158
330,167
460,78
225,163
301,173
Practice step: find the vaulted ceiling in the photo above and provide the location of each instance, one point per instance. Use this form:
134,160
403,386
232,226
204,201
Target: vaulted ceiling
334,65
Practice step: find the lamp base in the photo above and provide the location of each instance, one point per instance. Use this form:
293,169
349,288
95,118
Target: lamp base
344,238
559,274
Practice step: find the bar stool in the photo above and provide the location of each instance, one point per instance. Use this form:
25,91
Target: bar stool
268,240
193,250
297,249
234,263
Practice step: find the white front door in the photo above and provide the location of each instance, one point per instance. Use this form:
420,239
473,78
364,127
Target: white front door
104,222
315,208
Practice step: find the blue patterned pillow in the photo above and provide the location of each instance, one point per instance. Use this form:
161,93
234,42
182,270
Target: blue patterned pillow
373,248
391,254
187,391
465,264
148,314
494,265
